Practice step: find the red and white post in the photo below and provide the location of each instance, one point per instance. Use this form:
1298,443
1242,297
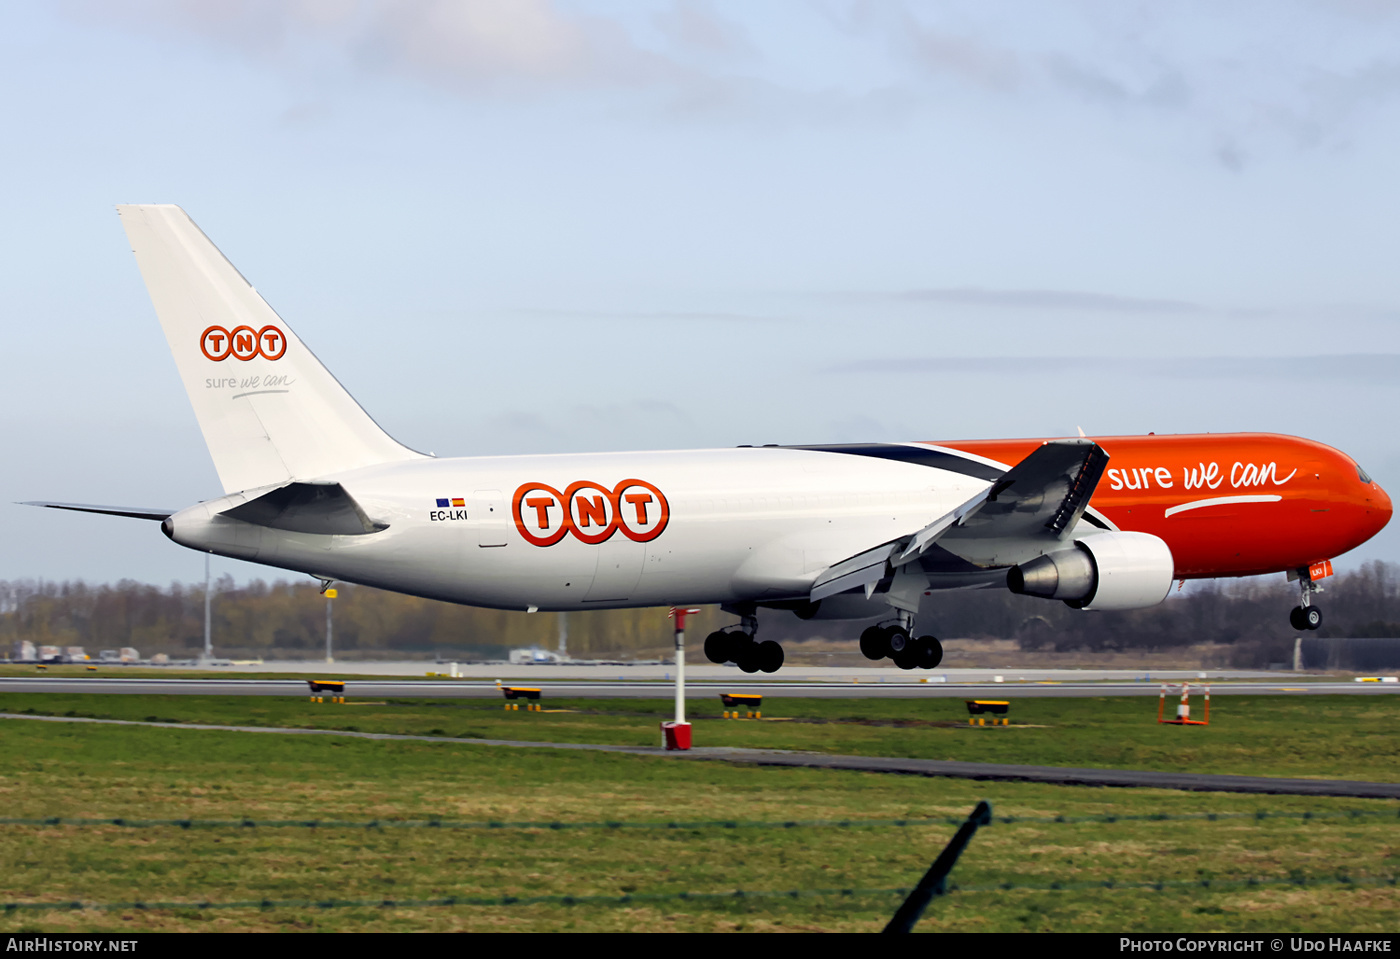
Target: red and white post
676,734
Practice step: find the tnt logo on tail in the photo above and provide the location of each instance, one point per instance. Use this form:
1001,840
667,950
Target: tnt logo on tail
243,343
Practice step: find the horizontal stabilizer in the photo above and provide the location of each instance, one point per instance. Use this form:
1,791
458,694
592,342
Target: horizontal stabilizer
135,512
324,509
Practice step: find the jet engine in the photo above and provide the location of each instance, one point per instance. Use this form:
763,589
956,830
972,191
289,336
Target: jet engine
1103,571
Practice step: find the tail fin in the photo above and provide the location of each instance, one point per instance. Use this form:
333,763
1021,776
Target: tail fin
269,411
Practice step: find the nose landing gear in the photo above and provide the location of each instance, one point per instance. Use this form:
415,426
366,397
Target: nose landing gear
1306,615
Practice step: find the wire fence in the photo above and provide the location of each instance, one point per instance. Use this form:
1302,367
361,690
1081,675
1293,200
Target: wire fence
732,896
609,824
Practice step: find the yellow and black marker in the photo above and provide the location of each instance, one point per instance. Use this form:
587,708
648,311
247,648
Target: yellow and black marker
751,703
979,709
336,687
529,693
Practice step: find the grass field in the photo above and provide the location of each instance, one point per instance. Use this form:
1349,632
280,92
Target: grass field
134,772
1332,737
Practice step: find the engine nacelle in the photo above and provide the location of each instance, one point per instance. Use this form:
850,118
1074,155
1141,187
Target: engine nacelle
1102,571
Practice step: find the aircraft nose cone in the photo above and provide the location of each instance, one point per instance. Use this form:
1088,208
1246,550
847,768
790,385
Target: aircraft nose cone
1379,507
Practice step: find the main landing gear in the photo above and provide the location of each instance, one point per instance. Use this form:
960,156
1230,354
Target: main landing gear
896,641
1306,616
738,646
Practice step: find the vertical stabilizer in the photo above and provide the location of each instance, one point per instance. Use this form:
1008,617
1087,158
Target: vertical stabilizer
269,411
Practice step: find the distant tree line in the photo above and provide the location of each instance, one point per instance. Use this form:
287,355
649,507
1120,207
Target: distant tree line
1364,602
283,619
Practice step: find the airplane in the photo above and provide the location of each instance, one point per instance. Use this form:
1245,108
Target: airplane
845,532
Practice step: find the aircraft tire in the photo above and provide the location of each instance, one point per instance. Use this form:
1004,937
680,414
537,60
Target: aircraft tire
907,658
873,644
744,652
1312,617
930,652
718,648
897,640
1295,618
769,656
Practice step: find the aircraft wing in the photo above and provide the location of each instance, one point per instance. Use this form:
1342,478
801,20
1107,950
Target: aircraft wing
136,512
1040,497
1030,506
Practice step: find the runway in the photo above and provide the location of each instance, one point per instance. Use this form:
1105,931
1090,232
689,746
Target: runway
905,688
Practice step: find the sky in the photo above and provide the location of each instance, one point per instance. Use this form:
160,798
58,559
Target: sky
518,226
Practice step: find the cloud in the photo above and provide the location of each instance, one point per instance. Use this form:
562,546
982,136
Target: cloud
693,25
522,43
1167,88
966,58
643,410
1311,77
585,425
651,316
1230,156
680,62
467,45
1381,369
1033,300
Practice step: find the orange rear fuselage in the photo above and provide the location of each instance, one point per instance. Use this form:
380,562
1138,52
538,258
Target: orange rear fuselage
1229,504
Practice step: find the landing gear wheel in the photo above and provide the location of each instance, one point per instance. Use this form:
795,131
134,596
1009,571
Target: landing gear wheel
897,641
769,656
930,652
718,648
1305,615
744,652
873,644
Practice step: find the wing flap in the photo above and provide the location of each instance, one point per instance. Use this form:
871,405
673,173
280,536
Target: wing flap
864,569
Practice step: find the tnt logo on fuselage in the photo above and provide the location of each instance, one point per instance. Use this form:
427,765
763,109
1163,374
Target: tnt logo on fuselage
589,511
243,343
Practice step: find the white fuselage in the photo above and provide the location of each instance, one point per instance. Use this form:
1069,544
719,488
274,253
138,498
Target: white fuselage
706,526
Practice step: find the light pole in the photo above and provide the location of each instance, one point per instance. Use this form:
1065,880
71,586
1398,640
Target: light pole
208,638
330,595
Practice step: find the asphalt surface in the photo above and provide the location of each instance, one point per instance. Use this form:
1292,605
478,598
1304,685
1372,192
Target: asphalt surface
1194,782
577,670
644,689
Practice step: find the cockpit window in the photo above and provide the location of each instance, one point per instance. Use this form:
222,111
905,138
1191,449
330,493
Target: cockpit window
1362,473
